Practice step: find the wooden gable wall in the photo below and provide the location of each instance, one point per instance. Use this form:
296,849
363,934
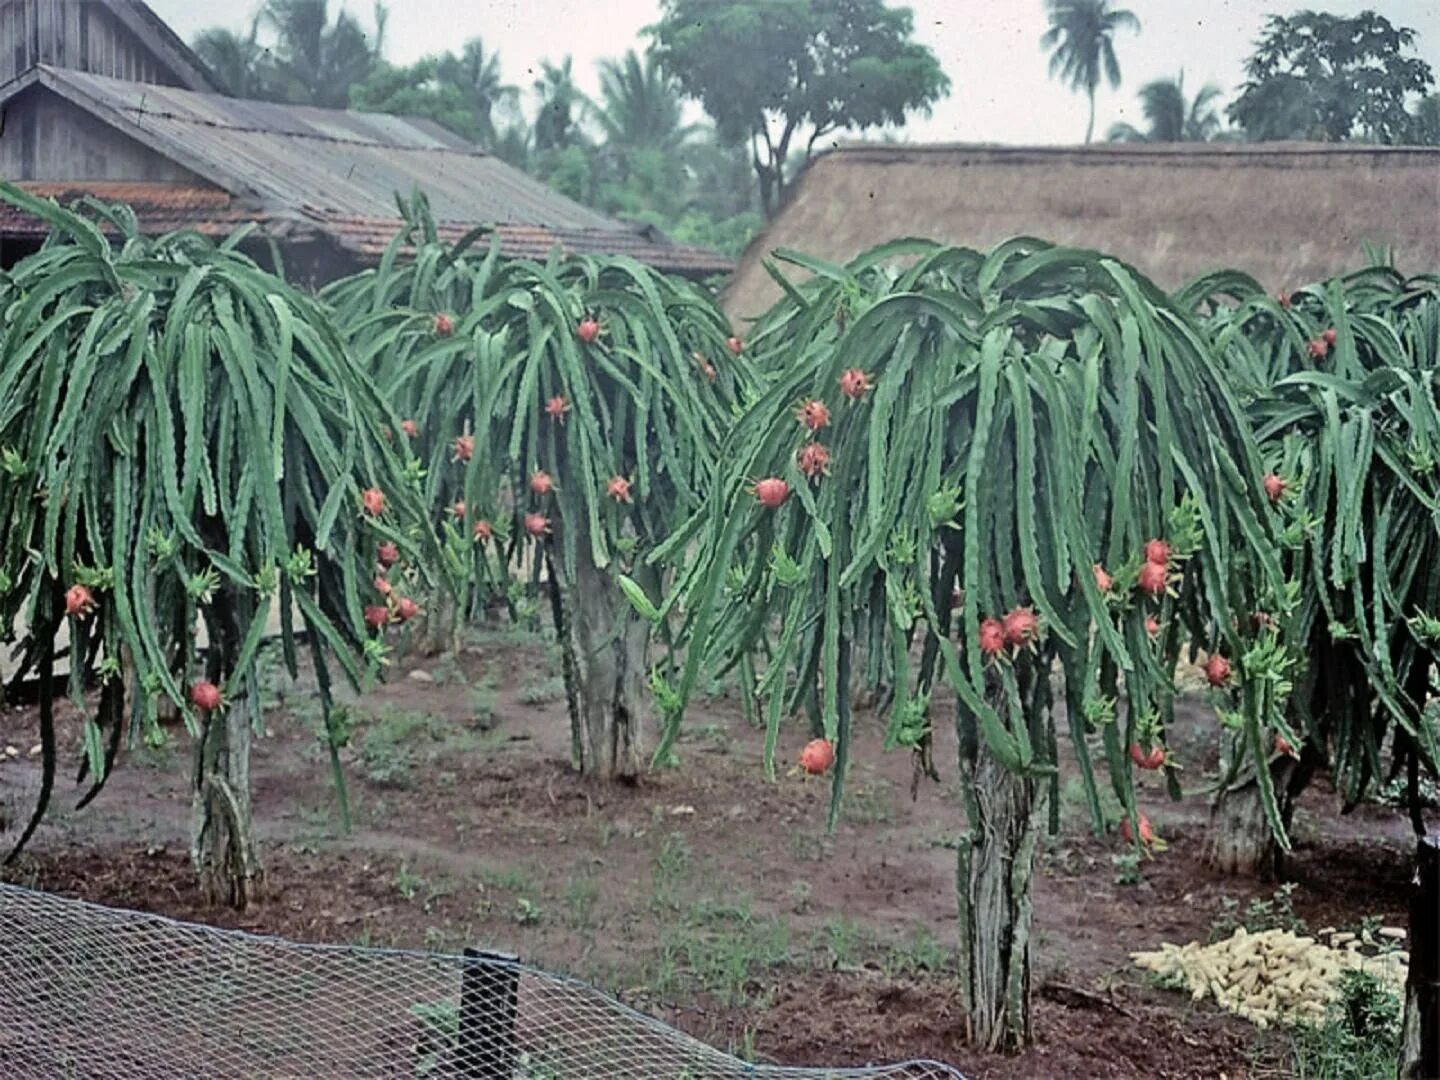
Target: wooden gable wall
86,35
46,137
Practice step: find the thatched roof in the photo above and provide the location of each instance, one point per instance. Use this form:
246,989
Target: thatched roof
1287,213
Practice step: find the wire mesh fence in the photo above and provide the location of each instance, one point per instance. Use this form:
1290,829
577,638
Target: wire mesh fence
91,991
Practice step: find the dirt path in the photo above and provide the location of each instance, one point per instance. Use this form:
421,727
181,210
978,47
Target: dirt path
706,894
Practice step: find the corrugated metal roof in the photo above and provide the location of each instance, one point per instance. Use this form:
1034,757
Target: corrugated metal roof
165,207
341,171
337,161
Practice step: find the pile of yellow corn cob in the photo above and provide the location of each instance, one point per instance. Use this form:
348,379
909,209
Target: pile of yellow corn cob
1276,976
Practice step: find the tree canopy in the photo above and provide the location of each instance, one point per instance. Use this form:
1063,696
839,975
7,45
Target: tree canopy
1425,127
460,93
1325,77
236,61
772,71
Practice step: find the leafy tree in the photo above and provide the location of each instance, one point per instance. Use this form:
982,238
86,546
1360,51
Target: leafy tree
1329,78
769,71
460,93
417,90
713,203
724,183
317,61
645,184
569,170
722,208
640,105
1171,118
560,153
730,235
646,164
1425,124
514,142
1082,37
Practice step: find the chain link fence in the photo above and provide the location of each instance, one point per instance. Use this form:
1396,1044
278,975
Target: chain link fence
90,991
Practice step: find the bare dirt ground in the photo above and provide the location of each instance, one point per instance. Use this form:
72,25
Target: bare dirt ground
705,895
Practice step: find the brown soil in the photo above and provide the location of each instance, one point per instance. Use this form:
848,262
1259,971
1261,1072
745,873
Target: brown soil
706,895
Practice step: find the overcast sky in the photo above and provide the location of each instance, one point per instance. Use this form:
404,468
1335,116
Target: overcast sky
1000,91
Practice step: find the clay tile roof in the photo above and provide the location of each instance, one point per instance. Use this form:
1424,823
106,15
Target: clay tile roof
159,207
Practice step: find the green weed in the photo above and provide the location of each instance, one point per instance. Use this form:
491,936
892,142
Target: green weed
1276,913
870,803
809,847
541,691
1075,807
1360,1037
842,938
800,893
510,879
722,958
705,911
527,912
580,897
439,1032
508,636
446,672
407,884
388,748
1127,868
482,702
671,864
920,953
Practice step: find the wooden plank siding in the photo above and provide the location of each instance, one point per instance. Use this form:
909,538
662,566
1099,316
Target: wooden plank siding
85,35
45,137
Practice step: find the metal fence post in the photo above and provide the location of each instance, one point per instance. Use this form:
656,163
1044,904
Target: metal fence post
1420,1052
489,989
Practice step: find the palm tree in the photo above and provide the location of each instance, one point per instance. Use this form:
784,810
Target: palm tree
476,74
512,145
318,61
1170,118
722,178
639,105
235,61
557,126
645,151
1082,37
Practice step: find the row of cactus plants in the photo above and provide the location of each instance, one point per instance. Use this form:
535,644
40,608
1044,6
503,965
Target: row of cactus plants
937,473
